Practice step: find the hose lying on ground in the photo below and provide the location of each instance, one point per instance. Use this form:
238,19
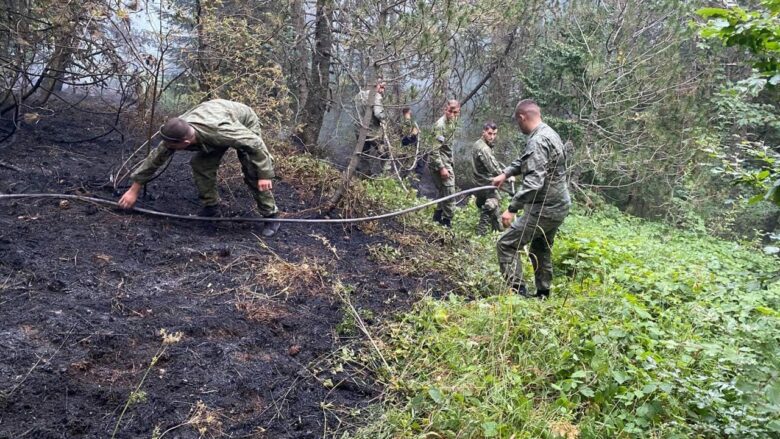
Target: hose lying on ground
251,219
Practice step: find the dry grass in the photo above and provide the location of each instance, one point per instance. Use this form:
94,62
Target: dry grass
564,430
283,274
205,420
265,312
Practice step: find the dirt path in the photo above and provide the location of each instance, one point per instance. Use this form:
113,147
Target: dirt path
85,291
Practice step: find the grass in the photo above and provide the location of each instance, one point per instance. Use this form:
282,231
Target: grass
652,332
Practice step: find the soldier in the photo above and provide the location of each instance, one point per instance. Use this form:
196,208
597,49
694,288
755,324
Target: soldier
543,196
485,167
409,128
441,161
210,129
374,142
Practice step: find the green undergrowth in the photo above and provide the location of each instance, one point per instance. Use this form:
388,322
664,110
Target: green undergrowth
651,332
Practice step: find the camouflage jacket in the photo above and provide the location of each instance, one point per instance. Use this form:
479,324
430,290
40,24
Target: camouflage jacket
407,127
484,163
218,124
444,137
542,171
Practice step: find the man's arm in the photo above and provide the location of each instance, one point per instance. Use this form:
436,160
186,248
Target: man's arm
151,164
534,171
516,167
379,108
144,173
439,140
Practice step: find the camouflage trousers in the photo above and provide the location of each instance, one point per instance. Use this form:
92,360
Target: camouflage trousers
445,188
489,205
539,232
204,172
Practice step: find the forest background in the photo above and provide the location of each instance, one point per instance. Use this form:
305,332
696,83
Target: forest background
663,121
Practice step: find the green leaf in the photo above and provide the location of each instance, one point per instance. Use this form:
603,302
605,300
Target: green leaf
435,395
712,12
620,377
773,393
756,198
579,374
767,311
773,194
490,429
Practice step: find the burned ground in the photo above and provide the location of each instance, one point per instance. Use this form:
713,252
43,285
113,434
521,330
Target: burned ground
86,290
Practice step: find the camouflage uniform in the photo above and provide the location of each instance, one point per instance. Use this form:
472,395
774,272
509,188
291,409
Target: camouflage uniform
485,167
441,157
374,136
407,132
219,125
544,198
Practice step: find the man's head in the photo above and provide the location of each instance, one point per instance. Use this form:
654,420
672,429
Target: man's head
527,115
177,133
489,132
407,112
380,87
452,109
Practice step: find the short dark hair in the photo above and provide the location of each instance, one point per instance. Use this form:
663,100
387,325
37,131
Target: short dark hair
525,105
406,110
174,129
489,125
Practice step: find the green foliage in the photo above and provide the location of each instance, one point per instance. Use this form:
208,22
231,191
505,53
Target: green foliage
650,333
753,164
238,60
758,31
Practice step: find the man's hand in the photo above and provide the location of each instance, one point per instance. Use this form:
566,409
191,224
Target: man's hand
265,185
506,218
444,173
499,180
129,198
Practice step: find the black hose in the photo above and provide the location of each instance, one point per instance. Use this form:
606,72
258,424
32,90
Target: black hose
249,219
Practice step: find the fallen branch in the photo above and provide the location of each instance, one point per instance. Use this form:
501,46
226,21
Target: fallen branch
10,166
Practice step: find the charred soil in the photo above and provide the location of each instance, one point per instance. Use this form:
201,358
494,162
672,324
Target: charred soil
85,291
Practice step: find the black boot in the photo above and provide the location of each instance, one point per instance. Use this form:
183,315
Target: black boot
437,216
209,211
446,222
271,228
520,290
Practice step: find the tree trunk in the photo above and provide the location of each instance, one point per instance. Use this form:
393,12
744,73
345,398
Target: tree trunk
201,63
301,57
356,153
55,68
317,101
